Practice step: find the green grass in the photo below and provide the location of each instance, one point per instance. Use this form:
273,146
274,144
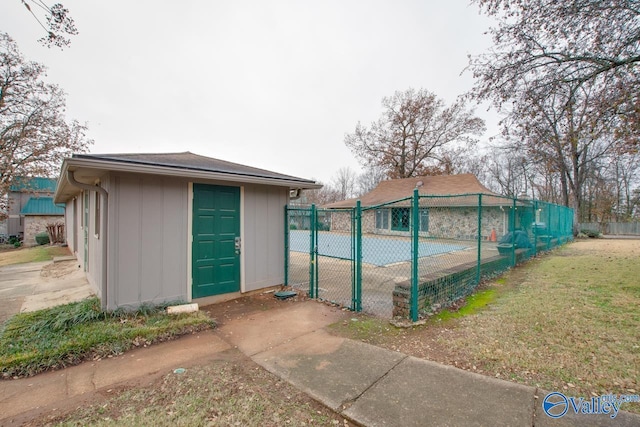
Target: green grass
65,335
473,303
567,321
365,328
571,324
34,254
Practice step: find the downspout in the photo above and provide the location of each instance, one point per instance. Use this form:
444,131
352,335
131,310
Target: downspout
295,194
103,232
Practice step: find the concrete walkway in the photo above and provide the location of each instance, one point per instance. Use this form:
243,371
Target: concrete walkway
367,384
37,285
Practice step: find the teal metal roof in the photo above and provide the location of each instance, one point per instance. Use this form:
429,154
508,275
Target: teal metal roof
42,206
34,184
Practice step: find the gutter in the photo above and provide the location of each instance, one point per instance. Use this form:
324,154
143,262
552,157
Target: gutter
103,232
114,166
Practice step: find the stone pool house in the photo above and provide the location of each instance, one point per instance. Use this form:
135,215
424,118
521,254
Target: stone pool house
451,212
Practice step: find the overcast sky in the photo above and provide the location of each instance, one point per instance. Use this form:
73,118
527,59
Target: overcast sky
270,84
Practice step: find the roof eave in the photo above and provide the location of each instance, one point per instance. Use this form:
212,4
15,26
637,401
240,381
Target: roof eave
115,166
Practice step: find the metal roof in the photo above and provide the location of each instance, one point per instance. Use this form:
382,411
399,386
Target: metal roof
33,184
41,206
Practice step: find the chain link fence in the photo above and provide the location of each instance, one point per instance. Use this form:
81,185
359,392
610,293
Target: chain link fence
415,255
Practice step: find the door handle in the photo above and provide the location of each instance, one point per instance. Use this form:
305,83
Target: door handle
238,245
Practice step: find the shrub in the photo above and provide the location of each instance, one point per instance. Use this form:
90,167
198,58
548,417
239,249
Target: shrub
42,238
590,233
293,227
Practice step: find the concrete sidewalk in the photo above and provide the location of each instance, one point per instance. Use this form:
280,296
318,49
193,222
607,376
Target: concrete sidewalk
367,384
37,285
377,387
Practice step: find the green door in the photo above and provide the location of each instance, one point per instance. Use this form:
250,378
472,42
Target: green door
216,240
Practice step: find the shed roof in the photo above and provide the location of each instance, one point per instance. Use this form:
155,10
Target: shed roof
464,185
189,161
41,206
88,167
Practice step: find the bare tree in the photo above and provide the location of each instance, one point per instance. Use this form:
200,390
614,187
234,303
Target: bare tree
409,137
344,182
540,45
322,196
624,172
567,130
34,133
508,171
369,179
599,196
58,23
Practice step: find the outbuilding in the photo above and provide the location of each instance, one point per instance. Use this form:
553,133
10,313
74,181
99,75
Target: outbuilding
449,208
170,227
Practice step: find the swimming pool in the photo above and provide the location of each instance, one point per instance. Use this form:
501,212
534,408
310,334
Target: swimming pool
378,251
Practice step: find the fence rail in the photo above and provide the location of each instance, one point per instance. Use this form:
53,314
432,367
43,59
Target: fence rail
412,256
613,228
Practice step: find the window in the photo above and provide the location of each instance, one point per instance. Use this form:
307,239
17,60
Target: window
400,219
424,219
382,219
85,209
97,214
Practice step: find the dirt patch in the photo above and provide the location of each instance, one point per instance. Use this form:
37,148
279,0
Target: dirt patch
61,269
245,306
231,390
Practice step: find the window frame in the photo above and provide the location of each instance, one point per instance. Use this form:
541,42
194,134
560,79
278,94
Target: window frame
400,219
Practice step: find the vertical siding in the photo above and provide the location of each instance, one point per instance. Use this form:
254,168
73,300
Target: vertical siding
69,224
264,236
94,256
148,246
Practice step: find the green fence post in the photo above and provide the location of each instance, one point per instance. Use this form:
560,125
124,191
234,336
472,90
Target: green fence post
312,253
286,245
534,226
358,284
353,259
316,280
550,232
479,257
513,232
415,227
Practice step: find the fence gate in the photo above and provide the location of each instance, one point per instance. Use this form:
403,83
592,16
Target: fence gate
318,261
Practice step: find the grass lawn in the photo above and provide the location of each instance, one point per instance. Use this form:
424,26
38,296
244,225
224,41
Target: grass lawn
568,321
35,254
68,334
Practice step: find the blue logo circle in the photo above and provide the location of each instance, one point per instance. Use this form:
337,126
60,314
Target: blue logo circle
555,404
